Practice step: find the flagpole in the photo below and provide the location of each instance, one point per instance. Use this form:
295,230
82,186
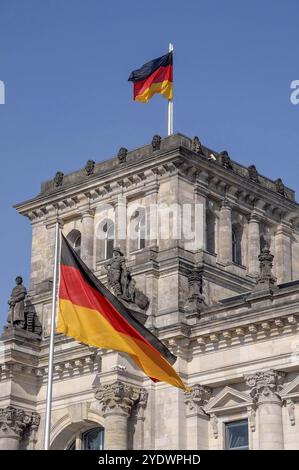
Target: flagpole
170,104
52,335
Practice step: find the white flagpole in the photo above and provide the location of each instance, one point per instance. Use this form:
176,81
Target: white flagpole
52,335
170,104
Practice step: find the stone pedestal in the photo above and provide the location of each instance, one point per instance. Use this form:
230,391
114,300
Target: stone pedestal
197,420
14,423
225,233
253,245
87,238
265,387
283,253
118,400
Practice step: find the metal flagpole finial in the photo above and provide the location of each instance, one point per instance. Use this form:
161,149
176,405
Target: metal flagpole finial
170,104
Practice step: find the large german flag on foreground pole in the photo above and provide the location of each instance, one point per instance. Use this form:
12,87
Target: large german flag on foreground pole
91,314
153,77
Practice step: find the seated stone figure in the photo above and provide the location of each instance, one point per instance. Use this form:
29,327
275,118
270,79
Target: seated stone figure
16,316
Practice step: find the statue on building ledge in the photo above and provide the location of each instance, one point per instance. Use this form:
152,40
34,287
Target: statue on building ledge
123,286
16,315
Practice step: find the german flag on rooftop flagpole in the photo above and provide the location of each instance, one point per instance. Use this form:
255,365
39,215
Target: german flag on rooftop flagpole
91,314
153,77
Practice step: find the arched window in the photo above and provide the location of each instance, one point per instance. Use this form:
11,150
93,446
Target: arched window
105,240
93,439
236,247
74,237
210,227
138,229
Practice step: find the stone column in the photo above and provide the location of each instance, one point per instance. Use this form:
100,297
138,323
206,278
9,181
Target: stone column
254,246
265,387
14,423
152,221
117,400
225,233
196,419
283,252
120,208
50,254
200,211
87,237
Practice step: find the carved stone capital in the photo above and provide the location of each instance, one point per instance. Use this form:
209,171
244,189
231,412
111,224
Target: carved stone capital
119,398
16,421
197,399
265,386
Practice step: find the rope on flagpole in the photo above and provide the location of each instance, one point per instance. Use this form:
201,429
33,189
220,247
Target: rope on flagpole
170,105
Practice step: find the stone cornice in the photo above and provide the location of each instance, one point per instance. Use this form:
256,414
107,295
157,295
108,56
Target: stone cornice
174,158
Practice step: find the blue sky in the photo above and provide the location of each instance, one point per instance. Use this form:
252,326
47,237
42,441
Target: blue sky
65,66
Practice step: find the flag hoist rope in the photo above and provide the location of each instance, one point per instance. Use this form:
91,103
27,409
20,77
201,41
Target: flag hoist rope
52,336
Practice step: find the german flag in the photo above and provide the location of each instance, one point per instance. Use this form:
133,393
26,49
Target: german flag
91,314
153,77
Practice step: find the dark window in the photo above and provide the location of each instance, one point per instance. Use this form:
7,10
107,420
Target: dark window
108,229
236,435
93,439
211,232
74,237
236,247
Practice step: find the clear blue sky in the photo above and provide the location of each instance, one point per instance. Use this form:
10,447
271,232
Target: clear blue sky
65,64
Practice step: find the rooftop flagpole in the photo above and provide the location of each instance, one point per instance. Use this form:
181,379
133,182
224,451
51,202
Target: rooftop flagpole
52,336
170,105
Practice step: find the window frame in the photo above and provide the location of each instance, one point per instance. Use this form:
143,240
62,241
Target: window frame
226,434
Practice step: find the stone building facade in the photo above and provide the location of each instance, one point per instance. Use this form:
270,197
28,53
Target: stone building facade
226,303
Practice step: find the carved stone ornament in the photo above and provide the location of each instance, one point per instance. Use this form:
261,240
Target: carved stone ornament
280,189
290,405
119,397
122,155
251,411
16,421
214,424
197,398
156,142
195,302
265,386
224,160
16,315
121,282
265,280
89,167
58,179
196,145
253,174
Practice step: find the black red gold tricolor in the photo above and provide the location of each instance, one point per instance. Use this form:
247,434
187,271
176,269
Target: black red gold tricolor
153,77
91,314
